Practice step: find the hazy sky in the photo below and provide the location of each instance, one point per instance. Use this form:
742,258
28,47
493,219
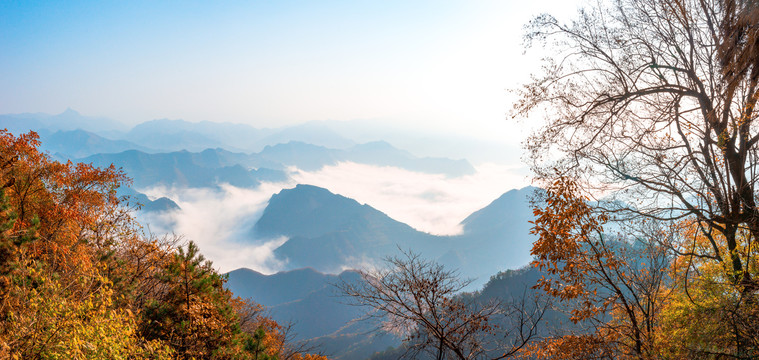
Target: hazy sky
437,64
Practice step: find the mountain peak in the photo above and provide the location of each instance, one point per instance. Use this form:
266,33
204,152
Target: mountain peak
312,189
292,144
305,210
310,211
379,144
69,112
512,204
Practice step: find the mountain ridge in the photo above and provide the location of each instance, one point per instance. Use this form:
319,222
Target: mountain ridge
330,232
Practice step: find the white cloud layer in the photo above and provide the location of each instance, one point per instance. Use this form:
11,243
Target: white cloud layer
220,221
428,202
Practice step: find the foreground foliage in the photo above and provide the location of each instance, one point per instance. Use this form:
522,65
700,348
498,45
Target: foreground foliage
649,155
79,280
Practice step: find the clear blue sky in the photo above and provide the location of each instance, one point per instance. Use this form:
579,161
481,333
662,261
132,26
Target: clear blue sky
427,64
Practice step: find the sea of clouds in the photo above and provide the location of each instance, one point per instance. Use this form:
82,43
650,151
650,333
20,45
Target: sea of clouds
220,220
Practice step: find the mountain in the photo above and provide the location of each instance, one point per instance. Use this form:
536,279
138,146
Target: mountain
67,120
210,167
309,146
304,156
322,311
165,135
135,198
296,292
280,288
311,133
427,143
313,157
382,153
328,231
505,287
175,135
311,302
513,206
324,318
184,169
79,143
502,227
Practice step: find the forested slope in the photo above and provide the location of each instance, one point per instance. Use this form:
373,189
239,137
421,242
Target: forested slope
80,280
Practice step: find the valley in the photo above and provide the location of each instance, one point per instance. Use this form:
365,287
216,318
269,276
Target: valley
313,235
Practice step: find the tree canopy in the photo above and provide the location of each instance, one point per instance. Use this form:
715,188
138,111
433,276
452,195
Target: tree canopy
650,122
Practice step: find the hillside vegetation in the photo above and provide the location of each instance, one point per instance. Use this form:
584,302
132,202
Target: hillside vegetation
79,279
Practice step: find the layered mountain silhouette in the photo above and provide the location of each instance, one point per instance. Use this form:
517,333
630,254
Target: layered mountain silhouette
281,288
67,120
325,318
164,135
329,232
313,157
172,135
311,133
185,169
71,144
141,201
212,167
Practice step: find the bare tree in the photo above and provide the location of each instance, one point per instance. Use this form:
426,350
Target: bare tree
420,300
652,105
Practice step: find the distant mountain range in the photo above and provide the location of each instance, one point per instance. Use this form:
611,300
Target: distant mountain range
183,169
340,230
164,135
313,157
79,143
211,167
67,120
146,152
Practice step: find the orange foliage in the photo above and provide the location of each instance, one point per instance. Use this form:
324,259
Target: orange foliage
63,203
78,279
565,226
571,347
616,285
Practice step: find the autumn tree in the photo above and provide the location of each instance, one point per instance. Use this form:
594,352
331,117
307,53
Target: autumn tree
649,106
613,285
420,301
55,301
194,315
706,315
80,280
